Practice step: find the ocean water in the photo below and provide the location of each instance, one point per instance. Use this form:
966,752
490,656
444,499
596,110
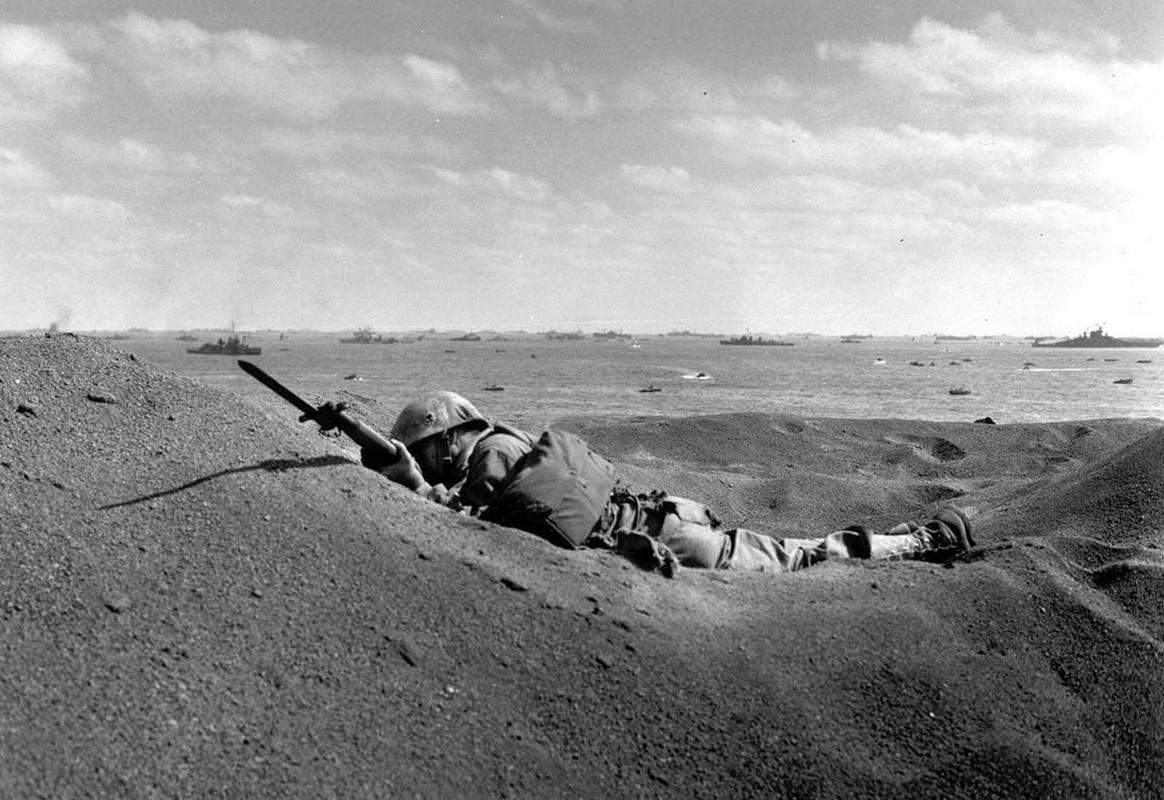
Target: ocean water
542,380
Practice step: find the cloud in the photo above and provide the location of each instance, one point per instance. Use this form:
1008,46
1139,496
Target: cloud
82,207
284,77
559,89
437,86
790,145
128,153
554,22
497,181
246,202
663,179
680,87
1013,78
325,143
1043,215
37,75
19,172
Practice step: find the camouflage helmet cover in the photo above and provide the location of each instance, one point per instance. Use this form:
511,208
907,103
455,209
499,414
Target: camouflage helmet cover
431,414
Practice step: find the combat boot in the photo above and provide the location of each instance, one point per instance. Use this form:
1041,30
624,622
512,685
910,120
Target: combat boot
942,538
946,535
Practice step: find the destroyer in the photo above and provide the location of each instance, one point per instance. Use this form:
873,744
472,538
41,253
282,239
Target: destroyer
365,336
756,340
230,346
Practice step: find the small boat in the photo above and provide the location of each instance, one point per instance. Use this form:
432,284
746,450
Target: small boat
879,361
1123,381
649,389
493,388
230,346
959,391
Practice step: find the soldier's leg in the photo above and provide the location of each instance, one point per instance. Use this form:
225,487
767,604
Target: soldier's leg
695,544
944,536
756,552
702,546
753,551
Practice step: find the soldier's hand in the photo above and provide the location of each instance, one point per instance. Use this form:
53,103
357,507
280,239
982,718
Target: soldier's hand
376,458
403,469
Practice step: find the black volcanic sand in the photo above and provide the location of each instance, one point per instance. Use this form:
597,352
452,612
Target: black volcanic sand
201,597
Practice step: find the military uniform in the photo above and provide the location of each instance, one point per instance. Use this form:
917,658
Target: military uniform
663,531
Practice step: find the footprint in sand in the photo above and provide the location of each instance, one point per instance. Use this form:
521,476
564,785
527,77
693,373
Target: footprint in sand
933,446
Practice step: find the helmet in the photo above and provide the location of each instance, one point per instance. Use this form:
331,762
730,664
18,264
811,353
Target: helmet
434,413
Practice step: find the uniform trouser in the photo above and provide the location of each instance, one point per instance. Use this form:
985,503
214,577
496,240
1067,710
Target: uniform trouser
743,549
692,533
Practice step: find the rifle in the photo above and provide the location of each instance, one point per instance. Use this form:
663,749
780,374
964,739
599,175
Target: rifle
329,415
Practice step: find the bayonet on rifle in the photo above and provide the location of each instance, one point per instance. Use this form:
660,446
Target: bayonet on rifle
329,415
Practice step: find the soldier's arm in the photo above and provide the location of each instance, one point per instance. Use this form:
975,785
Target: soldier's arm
490,465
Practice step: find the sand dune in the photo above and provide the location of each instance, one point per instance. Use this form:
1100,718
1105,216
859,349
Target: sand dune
202,597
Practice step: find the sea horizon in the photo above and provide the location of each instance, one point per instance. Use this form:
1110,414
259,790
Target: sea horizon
535,380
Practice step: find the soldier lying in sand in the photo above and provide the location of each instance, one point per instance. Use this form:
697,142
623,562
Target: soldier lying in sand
556,487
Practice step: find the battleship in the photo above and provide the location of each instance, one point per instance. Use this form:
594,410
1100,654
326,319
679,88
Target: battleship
230,346
1097,338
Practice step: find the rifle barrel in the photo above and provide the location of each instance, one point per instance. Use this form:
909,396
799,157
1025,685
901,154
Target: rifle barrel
359,432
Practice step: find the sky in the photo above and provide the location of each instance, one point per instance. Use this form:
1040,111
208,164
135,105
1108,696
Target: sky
828,166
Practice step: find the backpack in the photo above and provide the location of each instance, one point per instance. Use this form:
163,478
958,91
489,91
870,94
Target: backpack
557,491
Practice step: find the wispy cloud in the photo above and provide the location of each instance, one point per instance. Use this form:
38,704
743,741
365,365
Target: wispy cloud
17,171
550,20
538,150
789,144
560,89
665,179
996,73
37,75
497,181
176,59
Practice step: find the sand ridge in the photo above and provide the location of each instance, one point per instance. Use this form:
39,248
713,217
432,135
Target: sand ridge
201,597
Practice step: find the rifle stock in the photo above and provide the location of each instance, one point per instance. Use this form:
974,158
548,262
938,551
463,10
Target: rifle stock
363,434
328,415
